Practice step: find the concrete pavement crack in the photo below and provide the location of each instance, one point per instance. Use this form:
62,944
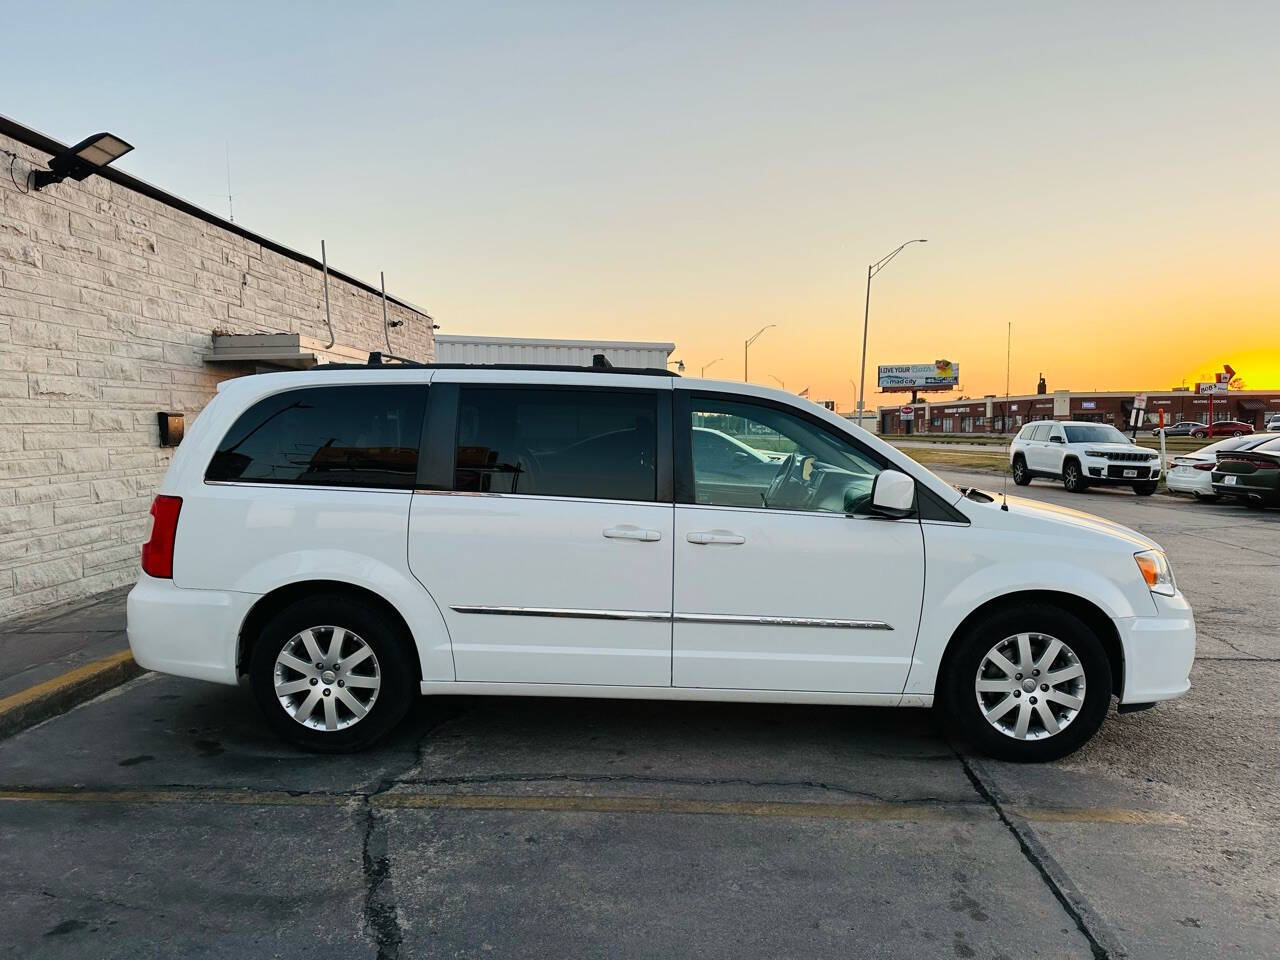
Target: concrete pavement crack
380,909
1102,941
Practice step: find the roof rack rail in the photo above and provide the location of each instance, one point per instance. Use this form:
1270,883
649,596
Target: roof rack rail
599,364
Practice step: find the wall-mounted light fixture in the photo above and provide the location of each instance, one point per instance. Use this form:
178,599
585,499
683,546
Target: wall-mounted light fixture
84,159
172,427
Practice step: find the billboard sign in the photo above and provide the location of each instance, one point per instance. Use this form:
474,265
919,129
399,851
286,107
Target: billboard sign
1211,388
939,375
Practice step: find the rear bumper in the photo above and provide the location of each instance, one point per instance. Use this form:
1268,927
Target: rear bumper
1158,652
1266,493
188,633
1190,481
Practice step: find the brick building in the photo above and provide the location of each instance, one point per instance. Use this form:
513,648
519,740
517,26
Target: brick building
1001,415
111,292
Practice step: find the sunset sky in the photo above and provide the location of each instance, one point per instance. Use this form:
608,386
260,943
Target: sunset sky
1105,176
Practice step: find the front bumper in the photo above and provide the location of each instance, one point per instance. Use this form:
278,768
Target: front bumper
1100,470
188,633
1158,652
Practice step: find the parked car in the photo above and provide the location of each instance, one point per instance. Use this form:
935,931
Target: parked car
1223,428
345,538
1080,454
1192,472
1251,475
1183,428
1273,425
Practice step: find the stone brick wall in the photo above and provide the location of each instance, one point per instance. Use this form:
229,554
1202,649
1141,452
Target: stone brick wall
108,301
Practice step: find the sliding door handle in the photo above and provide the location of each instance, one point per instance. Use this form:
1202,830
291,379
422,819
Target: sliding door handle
627,532
715,536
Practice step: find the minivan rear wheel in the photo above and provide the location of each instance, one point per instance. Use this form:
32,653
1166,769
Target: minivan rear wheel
1028,684
332,674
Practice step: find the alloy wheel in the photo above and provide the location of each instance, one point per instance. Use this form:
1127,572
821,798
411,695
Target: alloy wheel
327,678
1030,686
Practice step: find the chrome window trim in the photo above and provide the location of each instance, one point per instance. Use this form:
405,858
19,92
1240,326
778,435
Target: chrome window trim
305,486
576,613
535,497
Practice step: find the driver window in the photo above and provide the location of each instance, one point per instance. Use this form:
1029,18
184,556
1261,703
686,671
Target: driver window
749,455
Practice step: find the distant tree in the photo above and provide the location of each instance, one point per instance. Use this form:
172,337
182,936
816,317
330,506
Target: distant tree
1237,383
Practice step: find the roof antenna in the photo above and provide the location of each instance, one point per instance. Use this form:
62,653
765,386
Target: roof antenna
1008,355
231,212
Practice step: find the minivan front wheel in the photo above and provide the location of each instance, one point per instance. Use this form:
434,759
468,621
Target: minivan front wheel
1029,684
331,674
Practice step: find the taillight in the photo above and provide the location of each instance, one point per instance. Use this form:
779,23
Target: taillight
157,552
1204,466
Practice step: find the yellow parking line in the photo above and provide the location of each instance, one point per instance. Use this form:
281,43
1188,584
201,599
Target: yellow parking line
572,803
565,803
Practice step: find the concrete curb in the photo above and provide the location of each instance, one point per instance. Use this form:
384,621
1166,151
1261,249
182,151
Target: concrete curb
61,693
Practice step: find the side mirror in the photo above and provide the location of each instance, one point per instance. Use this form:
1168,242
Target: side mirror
893,494
1056,439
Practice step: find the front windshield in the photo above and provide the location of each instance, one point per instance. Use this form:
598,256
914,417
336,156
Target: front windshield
1095,433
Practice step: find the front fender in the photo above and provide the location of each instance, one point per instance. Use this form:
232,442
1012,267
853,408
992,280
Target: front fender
960,579
410,598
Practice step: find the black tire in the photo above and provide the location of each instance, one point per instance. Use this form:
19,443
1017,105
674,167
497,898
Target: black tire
1145,489
1253,503
1238,433
1073,480
1199,434
396,671
1021,475
1206,497
960,699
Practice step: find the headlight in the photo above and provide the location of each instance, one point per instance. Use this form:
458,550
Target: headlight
1156,571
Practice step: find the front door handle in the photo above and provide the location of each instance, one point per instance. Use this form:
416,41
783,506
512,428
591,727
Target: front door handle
715,536
627,532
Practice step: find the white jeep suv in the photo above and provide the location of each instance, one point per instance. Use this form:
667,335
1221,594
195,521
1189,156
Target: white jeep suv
1081,454
342,539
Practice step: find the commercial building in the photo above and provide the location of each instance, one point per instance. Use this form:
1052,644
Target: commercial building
620,353
120,302
993,414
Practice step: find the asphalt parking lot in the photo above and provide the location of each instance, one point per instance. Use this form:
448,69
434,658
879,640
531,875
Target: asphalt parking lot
163,820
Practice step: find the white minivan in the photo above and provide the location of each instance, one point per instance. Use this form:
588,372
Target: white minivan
344,538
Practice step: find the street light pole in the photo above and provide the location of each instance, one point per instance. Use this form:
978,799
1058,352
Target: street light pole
872,270
747,345
708,366
855,397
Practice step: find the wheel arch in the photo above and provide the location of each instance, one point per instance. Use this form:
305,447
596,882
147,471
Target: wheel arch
271,603
1088,612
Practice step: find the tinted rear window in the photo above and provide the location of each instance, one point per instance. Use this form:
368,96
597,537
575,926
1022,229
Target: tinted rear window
358,436
600,444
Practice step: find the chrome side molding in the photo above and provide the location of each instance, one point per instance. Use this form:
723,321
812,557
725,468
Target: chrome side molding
574,613
565,612
782,621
